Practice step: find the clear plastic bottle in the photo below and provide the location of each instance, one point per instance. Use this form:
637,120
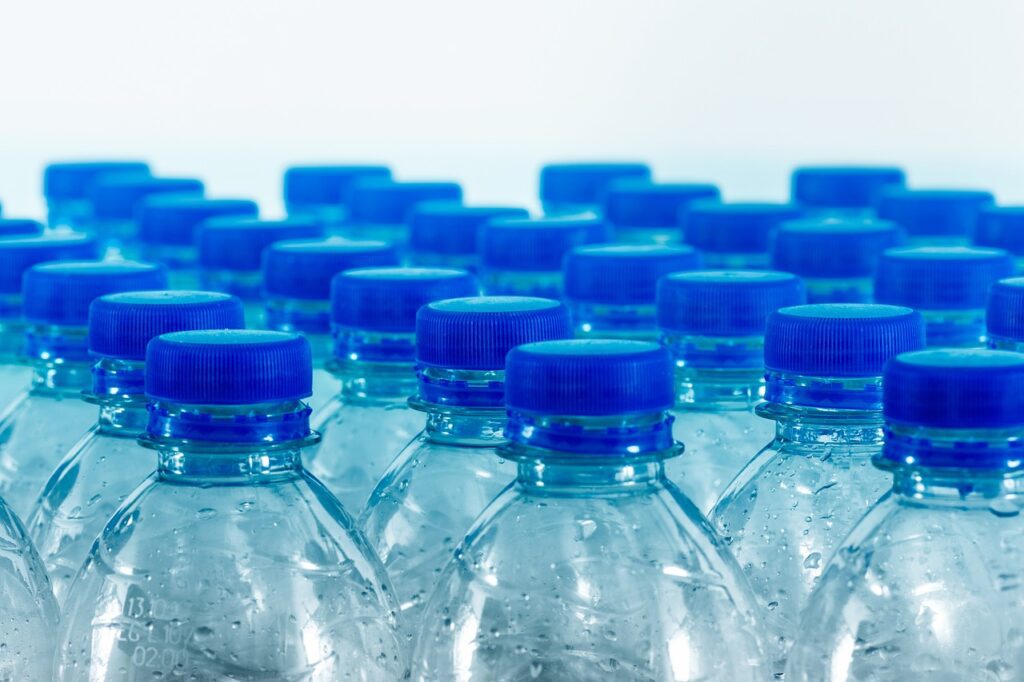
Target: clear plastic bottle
379,208
66,188
925,586
592,565
321,193
39,427
231,562
735,236
1002,227
645,212
368,422
847,191
444,234
114,199
713,322
441,481
934,217
948,285
103,468
575,187
789,509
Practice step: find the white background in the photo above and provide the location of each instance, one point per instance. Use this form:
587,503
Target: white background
484,92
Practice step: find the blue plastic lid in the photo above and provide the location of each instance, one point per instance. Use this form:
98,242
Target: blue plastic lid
623,274
940,278
115,197
1004,316
60,293
450,227
121,325
303,269
840,339
237,243
232,367
19,254
538,244
734,227
1001,227
72,181
381,201
172,220
843,186
934,212
724,303
386,299
583,183
20,227
635,202
326,184
833,248
589,378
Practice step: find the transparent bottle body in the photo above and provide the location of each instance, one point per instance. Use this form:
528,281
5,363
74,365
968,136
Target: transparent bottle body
840,290
647,235
545,284
15,372
954,328
247,285
630,322
312,319
722,260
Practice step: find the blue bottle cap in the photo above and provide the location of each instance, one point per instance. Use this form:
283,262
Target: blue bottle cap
120,325
833,248
589,378
725,303
926,213
303,269
20,227
386,299
237,243
326,184
633,202
840,339
734,227
115,197
389,202
72,181
1004,316
450,227
19,254
60,293
229,367
583,183
940,278
623,274
172,220
538,244
843,186
1001,227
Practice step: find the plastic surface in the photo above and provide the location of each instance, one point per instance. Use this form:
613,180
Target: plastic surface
1004,315
940,278
632,202
72,180
450,228
719,227
831,248
20,227
173,220
843,187
18,255
326,184
115,197
537,244
927,213
623,274
583,183
303,269
379,200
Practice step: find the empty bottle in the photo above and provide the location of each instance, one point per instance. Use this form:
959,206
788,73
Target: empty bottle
789,509
934,217
925,586
1004,316
321,193
368,422
231,562
1002,227
105,466
41,425
115,198
66,188
610,288
948,285
735,236
843,190
645,212
379,208
576,187
713,323
444,234
591,565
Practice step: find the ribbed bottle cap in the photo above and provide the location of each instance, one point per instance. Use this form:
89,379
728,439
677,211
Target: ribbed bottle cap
232,367
840,339
583,183
173,220
623,274
303,269
116,196
589,378
635,202
120,325
843,186
380,201
60,293
828,248
20,227
326,184
734,227
72,180
452,228
1004,316
237,243
1001,227
18,255
925,213
538,244
940,278
386,299
725,303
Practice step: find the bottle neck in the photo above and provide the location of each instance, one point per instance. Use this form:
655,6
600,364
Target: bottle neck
118,387
245,284
954,328
1005,343
468,427
831,393
823,426
952,454
60,359
1001,493
637,321
308,317
374,382
364,346
589,440
840,290
712,389
582,478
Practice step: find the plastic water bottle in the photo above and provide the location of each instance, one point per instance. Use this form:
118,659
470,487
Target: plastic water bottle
20,228
713,323
321,192
843,190
297,293
105,466
576,187
934,217
948,285
439,484
523,256
40,426
379,208
231,562
114,199
591,565
444,234
368,422
610,288
1004,316
168,226
66,188
645,212
735,236
925,586
792,505
836,258
1002,227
